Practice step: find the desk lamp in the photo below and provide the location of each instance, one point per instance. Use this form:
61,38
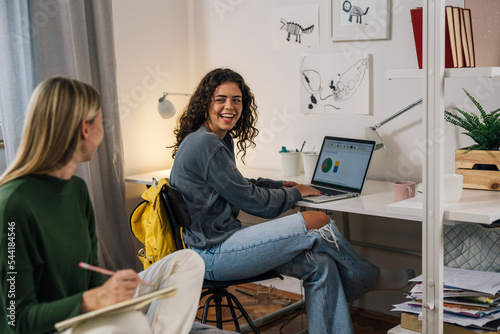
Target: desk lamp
165,107
388,119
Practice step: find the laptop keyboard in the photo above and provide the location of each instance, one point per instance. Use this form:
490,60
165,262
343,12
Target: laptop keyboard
329,192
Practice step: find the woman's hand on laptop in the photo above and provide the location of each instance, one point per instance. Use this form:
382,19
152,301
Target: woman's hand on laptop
289,184
306,190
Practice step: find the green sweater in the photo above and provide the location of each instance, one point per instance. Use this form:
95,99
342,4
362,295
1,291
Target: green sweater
47,227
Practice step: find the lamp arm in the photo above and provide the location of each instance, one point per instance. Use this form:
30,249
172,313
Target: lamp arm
390,118
165,95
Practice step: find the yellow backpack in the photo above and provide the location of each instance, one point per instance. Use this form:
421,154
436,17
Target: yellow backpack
149,223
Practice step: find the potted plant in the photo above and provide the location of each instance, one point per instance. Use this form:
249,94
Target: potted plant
480,162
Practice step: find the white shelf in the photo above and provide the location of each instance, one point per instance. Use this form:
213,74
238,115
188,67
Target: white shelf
473,72
475,206
476,72
400,330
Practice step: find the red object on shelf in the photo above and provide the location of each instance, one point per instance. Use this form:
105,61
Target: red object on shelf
450,54
416,21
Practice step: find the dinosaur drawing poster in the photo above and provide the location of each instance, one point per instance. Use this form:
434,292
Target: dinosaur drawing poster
295,27
354,20
334,83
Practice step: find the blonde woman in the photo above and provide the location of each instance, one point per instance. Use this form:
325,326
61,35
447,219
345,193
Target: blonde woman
47,227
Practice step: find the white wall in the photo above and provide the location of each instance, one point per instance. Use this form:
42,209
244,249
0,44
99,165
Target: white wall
151,51
154,37
239,36
188,38
151,55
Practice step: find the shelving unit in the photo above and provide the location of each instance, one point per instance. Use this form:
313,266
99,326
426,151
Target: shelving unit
433,76
472,72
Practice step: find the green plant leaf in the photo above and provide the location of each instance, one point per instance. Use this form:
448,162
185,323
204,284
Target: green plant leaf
483,129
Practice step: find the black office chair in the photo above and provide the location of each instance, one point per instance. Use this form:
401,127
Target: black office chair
215,290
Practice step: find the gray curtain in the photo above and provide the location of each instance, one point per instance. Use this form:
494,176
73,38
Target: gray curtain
74,38
16,71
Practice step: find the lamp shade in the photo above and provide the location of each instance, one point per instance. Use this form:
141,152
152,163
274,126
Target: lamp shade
165,107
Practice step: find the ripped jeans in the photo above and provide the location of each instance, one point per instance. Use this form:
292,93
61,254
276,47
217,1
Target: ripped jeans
332,272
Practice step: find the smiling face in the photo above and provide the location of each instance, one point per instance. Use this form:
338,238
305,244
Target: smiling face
225,109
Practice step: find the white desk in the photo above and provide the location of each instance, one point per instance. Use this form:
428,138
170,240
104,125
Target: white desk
376,196
377,199
147,178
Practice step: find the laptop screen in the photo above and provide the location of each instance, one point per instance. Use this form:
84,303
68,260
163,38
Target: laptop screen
343,163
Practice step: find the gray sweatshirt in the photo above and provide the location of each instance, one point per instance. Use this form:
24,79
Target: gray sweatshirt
205,173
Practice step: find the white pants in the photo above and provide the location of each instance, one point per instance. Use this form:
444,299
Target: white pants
184,269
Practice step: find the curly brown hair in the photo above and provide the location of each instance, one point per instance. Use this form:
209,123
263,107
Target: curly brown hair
196,112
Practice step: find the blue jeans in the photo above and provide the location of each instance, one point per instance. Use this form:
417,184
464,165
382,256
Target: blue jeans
332,272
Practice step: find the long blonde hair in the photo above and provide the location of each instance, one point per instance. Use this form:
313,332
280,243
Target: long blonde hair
52,127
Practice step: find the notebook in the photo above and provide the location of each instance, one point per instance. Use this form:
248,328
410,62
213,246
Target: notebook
136,303
341,168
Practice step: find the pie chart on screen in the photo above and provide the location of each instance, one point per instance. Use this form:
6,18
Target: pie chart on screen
326,165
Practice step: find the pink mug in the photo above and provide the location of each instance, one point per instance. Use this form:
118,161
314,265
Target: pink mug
404,190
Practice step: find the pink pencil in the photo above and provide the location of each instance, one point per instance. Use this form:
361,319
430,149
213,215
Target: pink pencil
104,271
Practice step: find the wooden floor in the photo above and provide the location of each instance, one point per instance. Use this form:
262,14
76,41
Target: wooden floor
259,301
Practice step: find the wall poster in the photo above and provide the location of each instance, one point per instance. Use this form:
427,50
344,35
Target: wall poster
335,83
295,27
355,20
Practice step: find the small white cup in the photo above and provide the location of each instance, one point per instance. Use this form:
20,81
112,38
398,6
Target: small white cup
453,185
290,163
309,160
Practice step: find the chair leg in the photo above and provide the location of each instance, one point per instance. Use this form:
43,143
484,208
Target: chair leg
205,309
218,311
245,314
233,314
217,298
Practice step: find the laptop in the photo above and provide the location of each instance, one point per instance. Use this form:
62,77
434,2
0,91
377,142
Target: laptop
341,168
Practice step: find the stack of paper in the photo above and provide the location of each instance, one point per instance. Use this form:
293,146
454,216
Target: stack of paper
471,298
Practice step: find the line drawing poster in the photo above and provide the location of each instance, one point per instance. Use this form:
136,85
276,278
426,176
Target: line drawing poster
360,20
357,12
295,27
331,83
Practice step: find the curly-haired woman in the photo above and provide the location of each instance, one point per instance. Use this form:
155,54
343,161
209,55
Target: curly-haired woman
305,245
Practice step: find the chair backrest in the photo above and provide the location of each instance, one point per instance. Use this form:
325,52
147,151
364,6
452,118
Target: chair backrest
177,212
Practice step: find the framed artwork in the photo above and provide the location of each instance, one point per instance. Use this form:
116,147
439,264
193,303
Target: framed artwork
355,20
